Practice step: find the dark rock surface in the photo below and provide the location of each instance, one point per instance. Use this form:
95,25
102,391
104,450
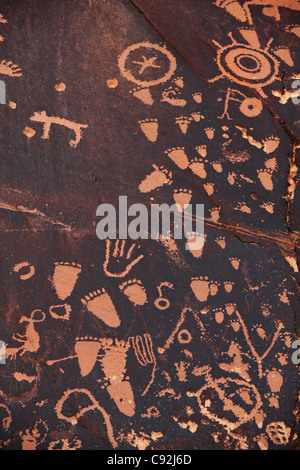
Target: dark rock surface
94,358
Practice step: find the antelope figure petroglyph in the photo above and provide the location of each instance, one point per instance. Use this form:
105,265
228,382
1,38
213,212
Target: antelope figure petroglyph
41,116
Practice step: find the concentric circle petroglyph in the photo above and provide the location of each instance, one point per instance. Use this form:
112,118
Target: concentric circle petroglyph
247,66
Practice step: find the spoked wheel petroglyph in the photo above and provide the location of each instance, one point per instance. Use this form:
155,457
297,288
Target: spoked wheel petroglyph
250,64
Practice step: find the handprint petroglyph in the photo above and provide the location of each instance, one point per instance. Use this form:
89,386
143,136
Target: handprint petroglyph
10,69
120,258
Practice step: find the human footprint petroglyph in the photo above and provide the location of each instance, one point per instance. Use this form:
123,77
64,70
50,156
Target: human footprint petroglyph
87,349
182,197
111,354
178,156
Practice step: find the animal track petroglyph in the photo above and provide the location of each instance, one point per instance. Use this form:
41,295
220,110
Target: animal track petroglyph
159,177
219,315
202,287
221,242
182,197
198,168
228,286
183,123
150,128
265,177
235,262
178,156
135,291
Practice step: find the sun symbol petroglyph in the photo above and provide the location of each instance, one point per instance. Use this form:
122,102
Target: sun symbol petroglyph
250,64
138,55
